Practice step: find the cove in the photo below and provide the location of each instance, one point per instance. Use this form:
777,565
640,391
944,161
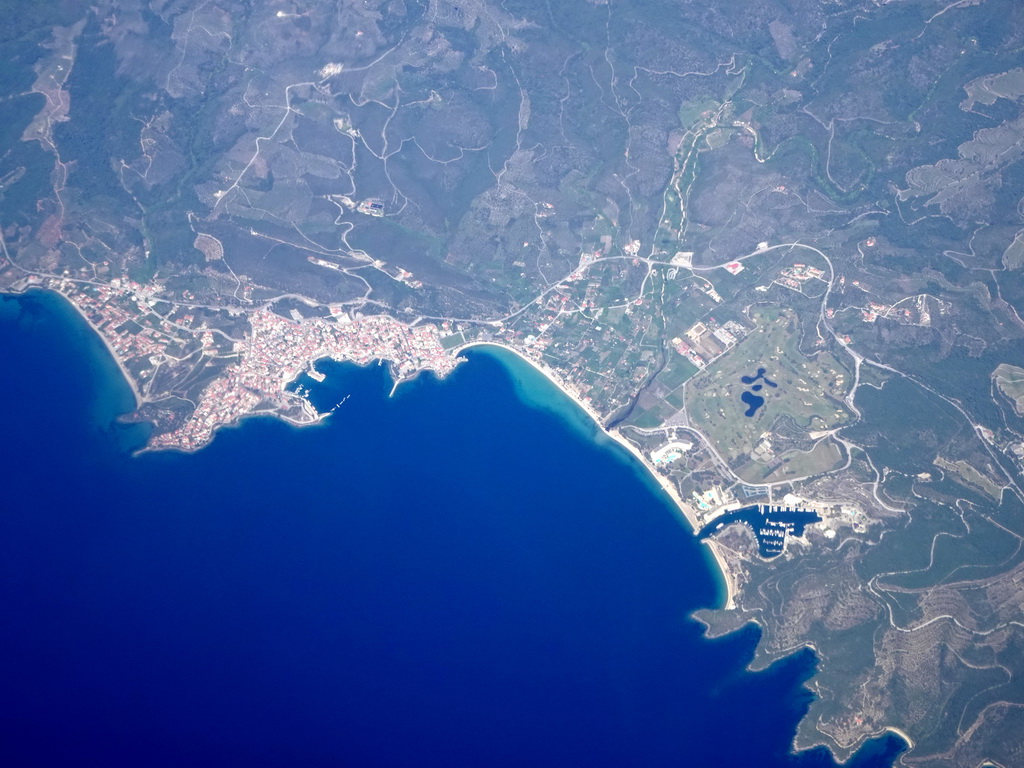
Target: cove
449,576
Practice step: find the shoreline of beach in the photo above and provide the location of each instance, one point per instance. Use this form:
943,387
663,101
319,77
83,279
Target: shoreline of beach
615,435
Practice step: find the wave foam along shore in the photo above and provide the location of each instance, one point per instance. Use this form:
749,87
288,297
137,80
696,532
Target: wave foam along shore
551,375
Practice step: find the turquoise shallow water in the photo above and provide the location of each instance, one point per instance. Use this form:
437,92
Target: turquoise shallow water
450,576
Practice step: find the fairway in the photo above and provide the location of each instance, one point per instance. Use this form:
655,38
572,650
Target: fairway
809,391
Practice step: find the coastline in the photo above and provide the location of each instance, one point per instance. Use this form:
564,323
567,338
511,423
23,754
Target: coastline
842,754
669,489
728,579
264,413
139,399
902,734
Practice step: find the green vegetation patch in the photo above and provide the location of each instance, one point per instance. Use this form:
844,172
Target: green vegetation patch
692,111
679,370
676,400
653,417
796,464
453,341
967,475
809,389
1010,380
1013,256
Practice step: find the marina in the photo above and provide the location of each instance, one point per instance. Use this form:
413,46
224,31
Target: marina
770,524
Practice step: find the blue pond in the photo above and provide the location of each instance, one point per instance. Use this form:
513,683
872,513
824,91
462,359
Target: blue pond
452,576
760,375
752,401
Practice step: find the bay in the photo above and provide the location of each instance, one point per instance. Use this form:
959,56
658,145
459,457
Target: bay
464,573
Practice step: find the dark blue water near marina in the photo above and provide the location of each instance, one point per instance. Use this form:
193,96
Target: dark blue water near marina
771,525
449,577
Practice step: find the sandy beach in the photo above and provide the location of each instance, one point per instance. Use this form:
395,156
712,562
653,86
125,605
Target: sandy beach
901,734
139,400
614,434
551,376
727,577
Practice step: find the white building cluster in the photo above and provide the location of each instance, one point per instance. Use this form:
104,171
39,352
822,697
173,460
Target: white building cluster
278,350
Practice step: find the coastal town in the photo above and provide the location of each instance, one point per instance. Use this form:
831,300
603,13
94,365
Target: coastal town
150,335
176,350
279,350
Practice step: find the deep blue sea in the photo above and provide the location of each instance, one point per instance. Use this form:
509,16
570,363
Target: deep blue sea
463,574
